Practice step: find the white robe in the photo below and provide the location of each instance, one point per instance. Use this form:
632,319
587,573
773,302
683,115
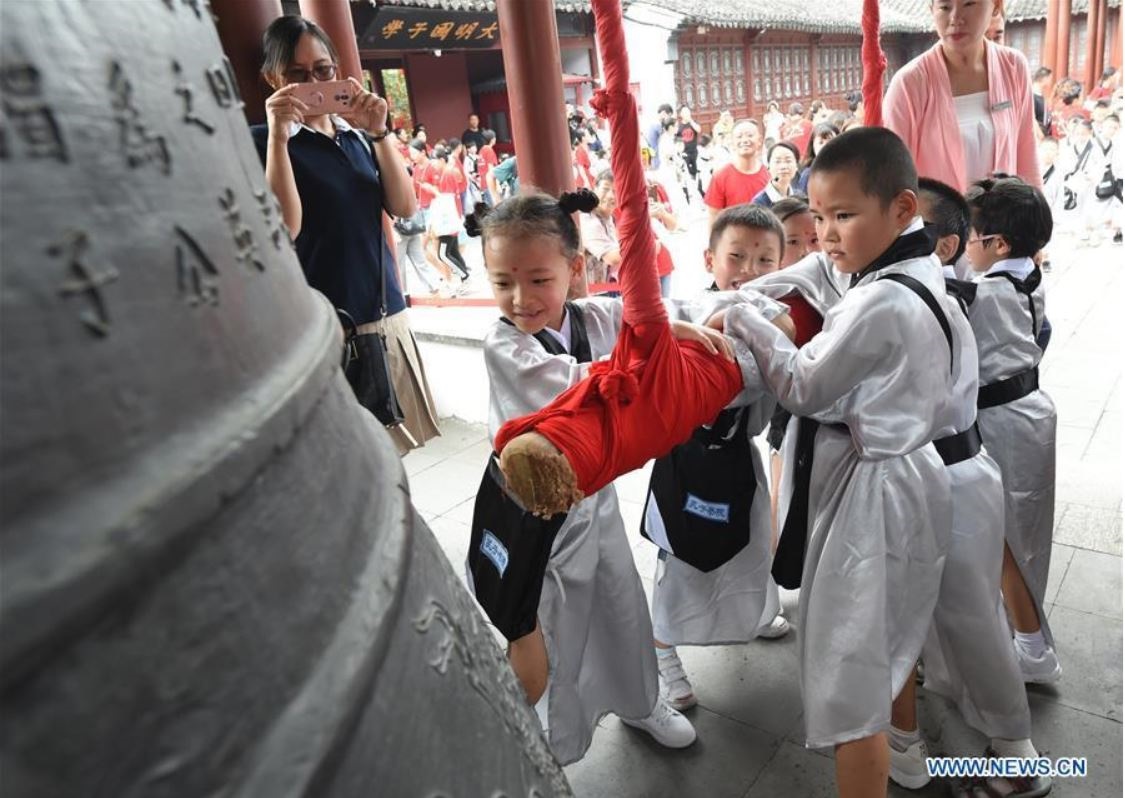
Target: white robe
968,654
730,603
813,277
879,503
1020,435
593,610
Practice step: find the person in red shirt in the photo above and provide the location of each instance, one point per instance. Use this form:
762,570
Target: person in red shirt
486,159
741,179
797,129
1108,82
446,217
424,173
580,159
426,176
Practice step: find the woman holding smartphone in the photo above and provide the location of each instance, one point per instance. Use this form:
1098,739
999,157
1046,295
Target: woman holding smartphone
334,177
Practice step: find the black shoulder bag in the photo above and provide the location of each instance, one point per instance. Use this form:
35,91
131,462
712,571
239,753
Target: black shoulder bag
509,546
1107,187
367,366
1070,201
704,489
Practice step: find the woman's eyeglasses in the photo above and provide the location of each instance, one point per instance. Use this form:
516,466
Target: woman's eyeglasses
318,72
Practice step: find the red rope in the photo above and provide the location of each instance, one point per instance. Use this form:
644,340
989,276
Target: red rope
640,285
874,65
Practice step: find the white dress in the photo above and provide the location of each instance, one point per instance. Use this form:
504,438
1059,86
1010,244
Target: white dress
728,604
880,513
593,610
1020,435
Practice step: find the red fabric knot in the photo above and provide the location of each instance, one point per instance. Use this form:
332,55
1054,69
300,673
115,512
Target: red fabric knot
614,385
604,100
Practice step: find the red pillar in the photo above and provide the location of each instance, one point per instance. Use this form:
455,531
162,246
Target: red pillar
533,67
335,16
1062,57
1049,56
1099,55
241,24
1092,70
1115,53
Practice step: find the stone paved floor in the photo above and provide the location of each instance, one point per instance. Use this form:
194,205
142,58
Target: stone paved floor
749,713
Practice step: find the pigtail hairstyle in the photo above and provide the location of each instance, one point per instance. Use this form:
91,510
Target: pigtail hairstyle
583,200
533,213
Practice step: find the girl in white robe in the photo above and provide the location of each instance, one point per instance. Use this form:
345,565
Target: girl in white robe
593,622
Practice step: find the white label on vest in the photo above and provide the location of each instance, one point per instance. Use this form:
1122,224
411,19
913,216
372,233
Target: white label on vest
708,511
493,549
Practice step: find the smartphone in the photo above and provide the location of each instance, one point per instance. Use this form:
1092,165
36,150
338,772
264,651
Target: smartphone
326,97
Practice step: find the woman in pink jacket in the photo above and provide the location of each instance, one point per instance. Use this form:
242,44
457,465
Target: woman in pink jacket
964,106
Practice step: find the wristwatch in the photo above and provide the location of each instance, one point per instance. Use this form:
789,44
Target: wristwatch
380,136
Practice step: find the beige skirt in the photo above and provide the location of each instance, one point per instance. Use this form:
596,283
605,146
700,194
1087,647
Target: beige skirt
411,387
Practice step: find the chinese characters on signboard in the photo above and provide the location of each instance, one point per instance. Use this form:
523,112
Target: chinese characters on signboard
420,29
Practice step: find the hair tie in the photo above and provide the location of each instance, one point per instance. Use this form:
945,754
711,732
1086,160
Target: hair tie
583,200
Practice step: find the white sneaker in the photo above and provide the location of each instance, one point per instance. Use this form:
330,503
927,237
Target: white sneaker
667,726
1038,670
779,627
908,768
674,680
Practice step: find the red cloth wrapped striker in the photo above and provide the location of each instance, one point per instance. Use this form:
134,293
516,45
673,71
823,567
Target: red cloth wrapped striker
653,391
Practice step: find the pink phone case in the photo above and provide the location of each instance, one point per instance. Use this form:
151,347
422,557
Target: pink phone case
326,97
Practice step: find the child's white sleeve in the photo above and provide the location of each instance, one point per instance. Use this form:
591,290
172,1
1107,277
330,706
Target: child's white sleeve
857,338
522,376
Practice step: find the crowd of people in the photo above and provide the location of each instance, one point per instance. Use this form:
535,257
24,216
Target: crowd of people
909,485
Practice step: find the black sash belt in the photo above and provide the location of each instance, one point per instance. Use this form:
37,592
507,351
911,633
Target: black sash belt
958,448
789,559
1009,390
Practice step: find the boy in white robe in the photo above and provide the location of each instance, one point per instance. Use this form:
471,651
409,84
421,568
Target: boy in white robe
968,655
737,601
1011,221
872,495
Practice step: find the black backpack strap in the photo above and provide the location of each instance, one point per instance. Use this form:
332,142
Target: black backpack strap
964,291
1027,288
925,295
579,339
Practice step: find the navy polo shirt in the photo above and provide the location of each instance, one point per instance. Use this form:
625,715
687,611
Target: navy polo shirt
341,245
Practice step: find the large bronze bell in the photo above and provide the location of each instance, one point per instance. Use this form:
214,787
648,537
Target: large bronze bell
212,580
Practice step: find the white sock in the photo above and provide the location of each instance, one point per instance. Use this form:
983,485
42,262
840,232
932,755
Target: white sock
1017,748
665,652
1033,643
902,740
